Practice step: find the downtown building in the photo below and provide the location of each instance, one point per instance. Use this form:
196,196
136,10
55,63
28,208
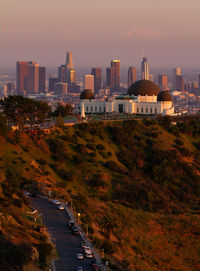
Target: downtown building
97,73
113,76
30,78
163,82
132,75
145,69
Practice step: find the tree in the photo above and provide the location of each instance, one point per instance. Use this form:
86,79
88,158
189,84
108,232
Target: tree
108,223
20,110
63,110
10,185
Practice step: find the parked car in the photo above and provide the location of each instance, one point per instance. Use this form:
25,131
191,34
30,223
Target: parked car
87,250
71,223
61,207
79,268
76,230
89,255
79,256
55,201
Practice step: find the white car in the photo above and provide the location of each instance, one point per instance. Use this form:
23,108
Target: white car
61,207
79,256
55,201
89,255
87,250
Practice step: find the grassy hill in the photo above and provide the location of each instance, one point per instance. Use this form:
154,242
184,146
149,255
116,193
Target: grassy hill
135,183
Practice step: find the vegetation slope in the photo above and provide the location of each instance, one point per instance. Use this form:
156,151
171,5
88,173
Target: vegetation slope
136,185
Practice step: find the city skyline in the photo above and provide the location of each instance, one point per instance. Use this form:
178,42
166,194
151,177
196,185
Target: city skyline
127,29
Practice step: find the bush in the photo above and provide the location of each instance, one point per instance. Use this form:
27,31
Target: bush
17,202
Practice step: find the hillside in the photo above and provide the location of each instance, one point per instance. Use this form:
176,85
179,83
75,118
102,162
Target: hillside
135,183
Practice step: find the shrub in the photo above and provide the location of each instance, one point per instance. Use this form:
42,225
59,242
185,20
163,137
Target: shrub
17,202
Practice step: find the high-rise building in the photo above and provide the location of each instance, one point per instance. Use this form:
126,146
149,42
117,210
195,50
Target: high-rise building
69,61
110,78
97,79
180,85
176,72
89,82
116,65
22,73
62,73
42,79
145,69
71,76
163,82
52,82
131,75
69,72
33,78
60,88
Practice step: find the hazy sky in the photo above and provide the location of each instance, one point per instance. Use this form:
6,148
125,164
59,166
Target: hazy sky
98,31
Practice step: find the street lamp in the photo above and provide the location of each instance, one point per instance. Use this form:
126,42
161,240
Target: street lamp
78,217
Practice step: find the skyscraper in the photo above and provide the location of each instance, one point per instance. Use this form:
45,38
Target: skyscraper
180,85
33,78
131,75
162,82
145,69
42,79
97,79
176,72
22,73
62,73
116,65
110,78
89,82
70,72
69,61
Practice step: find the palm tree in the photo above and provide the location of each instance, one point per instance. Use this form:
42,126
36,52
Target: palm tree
108,223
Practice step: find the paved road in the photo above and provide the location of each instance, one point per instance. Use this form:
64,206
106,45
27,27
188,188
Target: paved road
67,244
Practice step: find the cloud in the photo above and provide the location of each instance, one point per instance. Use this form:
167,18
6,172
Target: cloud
139,33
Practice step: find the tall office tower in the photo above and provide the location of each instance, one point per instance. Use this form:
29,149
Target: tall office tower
110,78
116,65
62,71
52,82
22,73
70,72
131,75
162,82
145,69
42,79
71,76
97,79
89,82
180,85
33,78
176,72
69,61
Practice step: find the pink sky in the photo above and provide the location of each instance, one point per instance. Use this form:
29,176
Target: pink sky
98,31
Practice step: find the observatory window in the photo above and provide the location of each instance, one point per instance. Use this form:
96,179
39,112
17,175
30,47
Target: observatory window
99,109
146,109
151,110
155,110
95,109
137,110
142,110
91,109
87,108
